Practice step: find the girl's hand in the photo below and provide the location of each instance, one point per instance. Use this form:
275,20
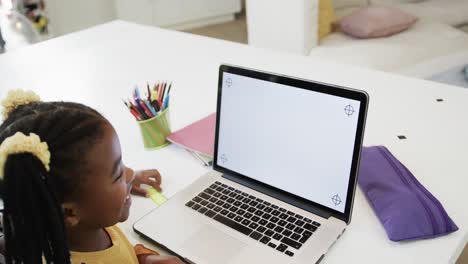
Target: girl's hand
156,259
149,177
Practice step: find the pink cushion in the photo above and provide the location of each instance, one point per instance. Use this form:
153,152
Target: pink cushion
376,21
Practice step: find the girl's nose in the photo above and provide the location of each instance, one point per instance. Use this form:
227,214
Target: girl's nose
130,175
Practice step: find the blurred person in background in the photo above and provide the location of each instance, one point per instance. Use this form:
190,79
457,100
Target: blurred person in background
2,42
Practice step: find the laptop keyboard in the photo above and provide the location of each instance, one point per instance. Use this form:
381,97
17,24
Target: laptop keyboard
267,223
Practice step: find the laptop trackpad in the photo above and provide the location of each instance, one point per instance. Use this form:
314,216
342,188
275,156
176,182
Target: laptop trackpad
212,245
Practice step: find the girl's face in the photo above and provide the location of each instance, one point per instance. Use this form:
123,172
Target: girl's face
105,199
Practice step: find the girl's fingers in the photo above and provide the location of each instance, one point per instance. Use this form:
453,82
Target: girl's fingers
152,181
148,177
155,175
139,191
152,178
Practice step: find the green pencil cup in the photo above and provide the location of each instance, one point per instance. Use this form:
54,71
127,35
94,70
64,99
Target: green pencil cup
155,130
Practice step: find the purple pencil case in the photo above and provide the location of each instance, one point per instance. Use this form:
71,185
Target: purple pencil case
405,208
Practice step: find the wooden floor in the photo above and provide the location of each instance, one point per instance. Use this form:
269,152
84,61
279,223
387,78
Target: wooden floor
235,31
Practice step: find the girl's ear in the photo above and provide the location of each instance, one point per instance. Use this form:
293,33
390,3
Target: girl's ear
70,214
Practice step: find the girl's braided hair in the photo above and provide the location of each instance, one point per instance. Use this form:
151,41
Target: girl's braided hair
33,218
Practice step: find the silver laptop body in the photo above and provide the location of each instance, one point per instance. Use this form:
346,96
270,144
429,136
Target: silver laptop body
285,171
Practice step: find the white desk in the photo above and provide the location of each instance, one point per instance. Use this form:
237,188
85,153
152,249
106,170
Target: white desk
99,66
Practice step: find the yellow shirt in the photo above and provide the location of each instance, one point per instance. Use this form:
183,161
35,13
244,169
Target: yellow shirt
121,251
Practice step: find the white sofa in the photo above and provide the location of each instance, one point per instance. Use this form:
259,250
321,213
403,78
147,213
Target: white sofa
434,35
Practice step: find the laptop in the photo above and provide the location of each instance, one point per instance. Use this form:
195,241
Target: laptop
284,174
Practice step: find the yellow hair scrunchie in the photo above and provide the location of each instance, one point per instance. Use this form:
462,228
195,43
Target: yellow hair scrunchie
16,98
20,143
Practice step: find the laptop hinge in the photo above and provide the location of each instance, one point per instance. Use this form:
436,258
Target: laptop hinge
279,194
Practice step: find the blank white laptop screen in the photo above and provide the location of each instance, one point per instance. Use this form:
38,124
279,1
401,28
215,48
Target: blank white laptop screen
296,140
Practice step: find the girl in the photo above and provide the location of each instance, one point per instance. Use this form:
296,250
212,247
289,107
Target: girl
64,185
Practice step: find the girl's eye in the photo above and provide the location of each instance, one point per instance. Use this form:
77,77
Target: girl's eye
120,177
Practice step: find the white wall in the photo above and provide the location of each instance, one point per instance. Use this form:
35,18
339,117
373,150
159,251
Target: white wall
71,15
138,11
177,14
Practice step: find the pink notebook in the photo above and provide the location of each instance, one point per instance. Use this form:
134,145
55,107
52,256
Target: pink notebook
199,136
